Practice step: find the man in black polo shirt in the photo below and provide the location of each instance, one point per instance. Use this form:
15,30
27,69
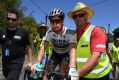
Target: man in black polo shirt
15,43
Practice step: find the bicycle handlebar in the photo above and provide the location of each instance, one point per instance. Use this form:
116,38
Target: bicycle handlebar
53,72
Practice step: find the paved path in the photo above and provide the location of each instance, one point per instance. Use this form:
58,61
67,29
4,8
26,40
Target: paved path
1,76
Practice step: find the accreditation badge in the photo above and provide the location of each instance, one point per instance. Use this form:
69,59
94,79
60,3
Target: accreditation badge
7,52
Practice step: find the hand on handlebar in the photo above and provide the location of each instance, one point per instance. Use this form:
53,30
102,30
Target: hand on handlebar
37,70
73,72
37,67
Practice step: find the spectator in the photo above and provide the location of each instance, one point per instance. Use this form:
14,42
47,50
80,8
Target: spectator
113,49
92,61
15,43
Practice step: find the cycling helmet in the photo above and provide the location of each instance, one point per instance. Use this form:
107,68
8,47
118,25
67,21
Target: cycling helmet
56,13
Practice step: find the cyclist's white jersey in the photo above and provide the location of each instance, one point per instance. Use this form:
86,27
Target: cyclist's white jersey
61,41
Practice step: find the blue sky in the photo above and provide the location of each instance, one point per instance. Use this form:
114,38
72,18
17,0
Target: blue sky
107,12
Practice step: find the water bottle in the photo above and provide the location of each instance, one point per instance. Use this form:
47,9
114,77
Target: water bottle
73,74
38,69
74,78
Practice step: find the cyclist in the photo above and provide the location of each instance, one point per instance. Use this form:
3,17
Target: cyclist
37,43
63,41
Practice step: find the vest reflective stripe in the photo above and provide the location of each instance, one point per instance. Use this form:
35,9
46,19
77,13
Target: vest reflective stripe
94,71
89,32
83,53
82,59
85,59
101,69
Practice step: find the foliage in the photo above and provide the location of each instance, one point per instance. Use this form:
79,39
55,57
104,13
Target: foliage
29,24
6,5
116,32
110,38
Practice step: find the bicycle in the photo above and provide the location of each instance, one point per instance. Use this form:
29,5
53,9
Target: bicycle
53,75
27,74
56,75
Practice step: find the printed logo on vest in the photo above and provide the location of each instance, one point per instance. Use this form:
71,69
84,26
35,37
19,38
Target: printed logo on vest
17,37
84,45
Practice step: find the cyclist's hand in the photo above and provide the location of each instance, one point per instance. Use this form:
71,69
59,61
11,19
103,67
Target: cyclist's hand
33,69
37,67
73,72
29,65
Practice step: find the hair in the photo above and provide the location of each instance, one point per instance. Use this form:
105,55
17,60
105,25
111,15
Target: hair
116,35
14,11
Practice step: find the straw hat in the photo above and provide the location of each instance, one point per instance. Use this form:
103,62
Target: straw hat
81,7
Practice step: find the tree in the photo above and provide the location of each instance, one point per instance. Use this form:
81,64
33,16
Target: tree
110,38
29,24
116,32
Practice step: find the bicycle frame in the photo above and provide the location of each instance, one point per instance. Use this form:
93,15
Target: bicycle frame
53,75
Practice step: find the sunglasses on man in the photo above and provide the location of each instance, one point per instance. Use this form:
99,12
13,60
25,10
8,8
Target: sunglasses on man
12,19
80,15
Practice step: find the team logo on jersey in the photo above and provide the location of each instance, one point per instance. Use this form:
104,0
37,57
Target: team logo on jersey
17,37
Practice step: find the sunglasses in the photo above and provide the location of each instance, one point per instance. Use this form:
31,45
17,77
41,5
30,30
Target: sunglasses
12,19
117,40
57,21
80,15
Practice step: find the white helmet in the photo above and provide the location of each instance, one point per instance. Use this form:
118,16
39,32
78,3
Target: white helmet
56,13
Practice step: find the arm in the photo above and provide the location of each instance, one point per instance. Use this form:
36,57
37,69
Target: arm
72,63
28,47
41,52
40,55
90,64
72,48
109,53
